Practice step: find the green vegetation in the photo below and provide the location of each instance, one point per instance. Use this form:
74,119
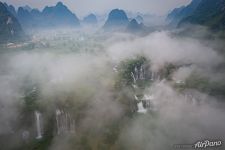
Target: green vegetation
203,84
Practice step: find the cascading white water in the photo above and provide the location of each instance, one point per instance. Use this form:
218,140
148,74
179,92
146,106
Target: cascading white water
149,101
115,69
38,124
57,112
136,73
149,97
136,98
141,108
132,75
142,76
71,124
152,76
65,123
145,103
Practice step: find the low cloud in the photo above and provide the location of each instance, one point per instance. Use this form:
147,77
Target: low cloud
84,83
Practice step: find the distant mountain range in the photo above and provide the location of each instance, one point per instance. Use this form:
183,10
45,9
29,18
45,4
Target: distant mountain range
10,28
118,21
12,20
55,16
135,27
59,15
11,9
210,13
28,8
182,12
91,19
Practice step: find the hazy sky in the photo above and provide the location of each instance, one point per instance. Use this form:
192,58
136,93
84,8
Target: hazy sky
83,7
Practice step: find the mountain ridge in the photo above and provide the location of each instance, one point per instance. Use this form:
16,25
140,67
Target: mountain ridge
182,12
10,28
117,19
209,13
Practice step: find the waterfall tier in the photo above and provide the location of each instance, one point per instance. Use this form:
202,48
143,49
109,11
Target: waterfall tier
38,124
65,123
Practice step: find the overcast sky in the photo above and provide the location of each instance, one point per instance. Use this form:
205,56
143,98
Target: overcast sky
84,7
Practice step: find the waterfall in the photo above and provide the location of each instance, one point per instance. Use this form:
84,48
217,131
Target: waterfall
136,73
145,103
38,124
115,69
152,76
149,97
71,124
134,86
193,100
141,108
58,121
64,122
142,73
149,102
136,98
132,75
